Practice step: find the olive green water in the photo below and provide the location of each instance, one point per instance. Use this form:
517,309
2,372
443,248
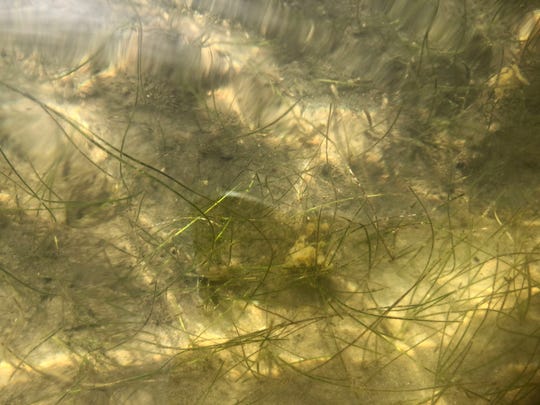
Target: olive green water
269,202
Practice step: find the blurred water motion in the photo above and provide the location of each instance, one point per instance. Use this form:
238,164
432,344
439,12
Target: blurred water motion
269,201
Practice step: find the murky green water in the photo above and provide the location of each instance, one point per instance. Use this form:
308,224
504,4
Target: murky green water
269,202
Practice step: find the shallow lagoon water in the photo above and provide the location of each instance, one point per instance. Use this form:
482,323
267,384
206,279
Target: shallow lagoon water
270,202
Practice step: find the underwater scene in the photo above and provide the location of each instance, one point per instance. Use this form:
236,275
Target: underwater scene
269,202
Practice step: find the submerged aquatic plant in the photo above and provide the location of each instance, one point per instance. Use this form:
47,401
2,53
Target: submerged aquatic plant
230,202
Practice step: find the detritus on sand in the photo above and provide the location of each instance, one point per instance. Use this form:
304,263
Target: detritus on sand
269,202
